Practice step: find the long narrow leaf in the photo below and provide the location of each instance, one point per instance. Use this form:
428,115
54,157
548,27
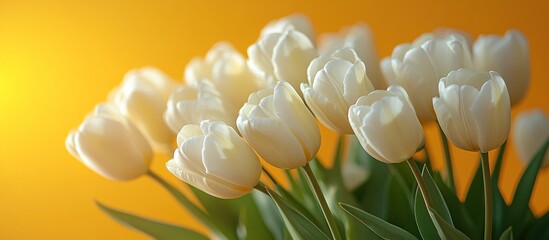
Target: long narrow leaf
508,234
153,228
521,199
378,225
448,231
299,226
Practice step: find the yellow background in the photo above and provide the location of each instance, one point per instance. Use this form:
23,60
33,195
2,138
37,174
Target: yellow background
58,59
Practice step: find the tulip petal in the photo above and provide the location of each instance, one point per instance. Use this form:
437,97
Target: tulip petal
274,142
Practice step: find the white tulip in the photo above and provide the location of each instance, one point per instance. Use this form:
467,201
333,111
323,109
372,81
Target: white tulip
473,109
419,68
530,132
280,128
226,68
142,98
359,38
193,104
386,125
298,22
213,158
282,57
110,145
336,81
509,56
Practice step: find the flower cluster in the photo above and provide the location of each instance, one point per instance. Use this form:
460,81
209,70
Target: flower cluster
232,111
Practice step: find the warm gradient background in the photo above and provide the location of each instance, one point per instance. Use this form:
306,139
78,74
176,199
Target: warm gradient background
58,59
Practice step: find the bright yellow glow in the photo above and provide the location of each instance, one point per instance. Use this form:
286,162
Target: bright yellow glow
59,58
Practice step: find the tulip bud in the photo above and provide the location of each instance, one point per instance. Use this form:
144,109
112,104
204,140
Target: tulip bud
379,120
530,132
142,98
473,109
280,128
359,38
213,158
419,68
282,57
193,104
226,68
110,145
298,22
509,56
336,81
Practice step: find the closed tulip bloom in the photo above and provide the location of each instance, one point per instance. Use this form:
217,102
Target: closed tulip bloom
386,125
473,109
419,68
213,158
530,132
193,104
360,39
282,57
353,175
298,22
142,97
110,145
226,68
280,128
336,81
509,56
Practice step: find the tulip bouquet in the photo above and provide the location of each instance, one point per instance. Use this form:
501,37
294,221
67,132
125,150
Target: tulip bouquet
247,137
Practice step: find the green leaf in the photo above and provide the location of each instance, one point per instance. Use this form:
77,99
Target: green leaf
424,222
317,219
299,226
445,229
155,229
523,193
401,211
500,211
460,215
439,205
475,199
378,225
270,214
508,234
429,226
251,226
219,230
539,229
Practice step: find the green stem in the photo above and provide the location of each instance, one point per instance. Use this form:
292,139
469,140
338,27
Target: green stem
487,196
420,183
448,160
220,232
322,201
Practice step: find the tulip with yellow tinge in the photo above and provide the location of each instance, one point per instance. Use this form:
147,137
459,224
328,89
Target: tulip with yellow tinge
142,97
530,132
509,56
385,123
193,104
336,81
110,145
215,159
473,109
418,68
282,57
298,22
279,127
226,68
359,38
